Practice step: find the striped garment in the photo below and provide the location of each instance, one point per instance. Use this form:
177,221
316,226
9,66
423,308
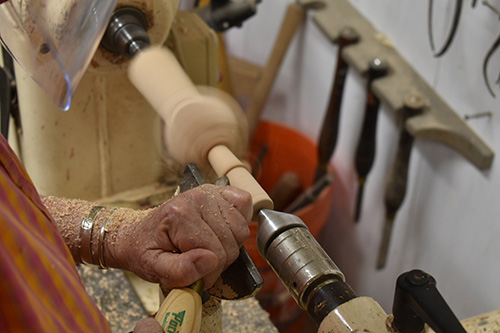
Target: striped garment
40,289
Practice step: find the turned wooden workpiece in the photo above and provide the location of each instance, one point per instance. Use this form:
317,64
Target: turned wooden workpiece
199,129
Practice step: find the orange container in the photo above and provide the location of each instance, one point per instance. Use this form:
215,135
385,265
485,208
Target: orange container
287,150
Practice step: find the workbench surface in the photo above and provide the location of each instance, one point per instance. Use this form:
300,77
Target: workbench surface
114,295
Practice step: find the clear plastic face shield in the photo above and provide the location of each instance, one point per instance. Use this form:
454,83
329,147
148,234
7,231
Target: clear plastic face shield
54,40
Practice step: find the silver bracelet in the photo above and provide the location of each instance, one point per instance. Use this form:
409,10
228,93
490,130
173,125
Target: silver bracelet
100,248
86,230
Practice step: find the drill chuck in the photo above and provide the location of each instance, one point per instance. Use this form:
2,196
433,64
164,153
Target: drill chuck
296,257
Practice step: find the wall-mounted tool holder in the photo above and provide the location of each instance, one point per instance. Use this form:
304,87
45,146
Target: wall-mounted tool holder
438,121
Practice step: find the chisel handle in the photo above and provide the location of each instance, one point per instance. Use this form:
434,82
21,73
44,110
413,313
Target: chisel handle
365,151
395,192
328,135
294,17
398,176
181,310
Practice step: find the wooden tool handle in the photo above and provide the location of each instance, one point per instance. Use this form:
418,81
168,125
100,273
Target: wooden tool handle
181,311
294,17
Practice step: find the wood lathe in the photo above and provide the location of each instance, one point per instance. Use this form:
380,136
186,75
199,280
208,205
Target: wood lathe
203,130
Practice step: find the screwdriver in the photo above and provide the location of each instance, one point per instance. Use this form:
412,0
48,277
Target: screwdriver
396,183
365,151
328,136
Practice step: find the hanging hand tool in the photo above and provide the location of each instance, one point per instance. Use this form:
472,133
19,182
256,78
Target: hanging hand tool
453,29
257,165
294,17
328,135
490,52
396,184
311,194
287,188
365,151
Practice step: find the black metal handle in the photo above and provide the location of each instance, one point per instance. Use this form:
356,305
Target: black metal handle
328,136
365,151
417,301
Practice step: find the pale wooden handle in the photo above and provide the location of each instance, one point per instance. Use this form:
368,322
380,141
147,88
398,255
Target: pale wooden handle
294,17
180,311
225,163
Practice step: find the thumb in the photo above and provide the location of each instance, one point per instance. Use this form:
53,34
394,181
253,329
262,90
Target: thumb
148,325
183,269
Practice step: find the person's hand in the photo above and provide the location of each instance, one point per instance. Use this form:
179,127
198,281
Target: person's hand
195,235
148,325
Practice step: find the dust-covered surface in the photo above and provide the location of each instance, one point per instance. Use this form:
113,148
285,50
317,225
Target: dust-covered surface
483,323
114,296
245,316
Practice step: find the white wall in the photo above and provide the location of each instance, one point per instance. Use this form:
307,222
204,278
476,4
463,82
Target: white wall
448,224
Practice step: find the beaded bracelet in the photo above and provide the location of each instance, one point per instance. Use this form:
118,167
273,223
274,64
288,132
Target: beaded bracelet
86,231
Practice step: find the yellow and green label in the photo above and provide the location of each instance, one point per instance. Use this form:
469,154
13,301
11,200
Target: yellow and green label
173,321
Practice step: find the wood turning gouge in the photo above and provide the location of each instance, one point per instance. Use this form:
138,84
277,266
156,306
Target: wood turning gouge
365,151
398,176
329,131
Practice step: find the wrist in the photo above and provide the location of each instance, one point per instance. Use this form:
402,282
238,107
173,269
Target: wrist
119,237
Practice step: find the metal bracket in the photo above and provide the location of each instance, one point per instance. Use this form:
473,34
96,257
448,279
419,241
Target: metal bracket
438,121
